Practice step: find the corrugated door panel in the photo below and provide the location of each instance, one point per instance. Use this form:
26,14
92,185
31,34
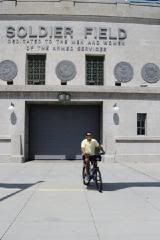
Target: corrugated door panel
55,132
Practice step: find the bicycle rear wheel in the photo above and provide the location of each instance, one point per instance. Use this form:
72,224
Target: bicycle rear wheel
98,181
85,177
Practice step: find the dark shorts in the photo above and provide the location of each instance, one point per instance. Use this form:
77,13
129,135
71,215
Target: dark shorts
96,157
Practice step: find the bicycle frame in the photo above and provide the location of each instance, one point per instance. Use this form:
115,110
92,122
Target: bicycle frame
94,172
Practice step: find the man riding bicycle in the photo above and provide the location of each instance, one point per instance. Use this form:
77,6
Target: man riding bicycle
88,149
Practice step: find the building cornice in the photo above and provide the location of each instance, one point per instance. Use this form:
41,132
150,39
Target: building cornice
77,88
84,18
79,92
82,9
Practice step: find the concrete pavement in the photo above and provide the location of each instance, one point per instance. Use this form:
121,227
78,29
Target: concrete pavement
46,201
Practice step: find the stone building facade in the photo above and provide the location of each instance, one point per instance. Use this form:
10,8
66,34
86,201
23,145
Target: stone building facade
67,67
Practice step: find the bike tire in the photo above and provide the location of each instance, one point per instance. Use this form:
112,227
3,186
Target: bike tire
98,181
85,180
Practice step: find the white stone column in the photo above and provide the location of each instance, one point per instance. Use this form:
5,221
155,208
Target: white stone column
110,130
17,117
16,148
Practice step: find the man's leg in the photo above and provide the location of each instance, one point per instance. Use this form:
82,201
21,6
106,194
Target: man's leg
86,162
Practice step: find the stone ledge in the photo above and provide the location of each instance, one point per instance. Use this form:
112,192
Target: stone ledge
5,138
138,139
84,89
77,93
132,158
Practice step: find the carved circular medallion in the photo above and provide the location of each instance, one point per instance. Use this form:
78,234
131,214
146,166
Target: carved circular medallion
123,72
150,73
8,70
66,70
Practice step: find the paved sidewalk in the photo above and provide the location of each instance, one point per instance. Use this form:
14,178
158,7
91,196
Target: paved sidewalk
47,201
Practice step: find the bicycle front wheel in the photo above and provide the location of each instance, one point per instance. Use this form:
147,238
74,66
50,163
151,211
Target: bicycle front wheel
85,177
98,181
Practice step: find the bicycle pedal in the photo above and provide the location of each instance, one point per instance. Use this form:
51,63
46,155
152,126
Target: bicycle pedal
94,177
87,178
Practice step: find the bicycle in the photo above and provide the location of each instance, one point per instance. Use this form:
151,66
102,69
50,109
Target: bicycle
94,173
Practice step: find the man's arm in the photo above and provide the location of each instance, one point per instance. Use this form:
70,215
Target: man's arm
101,149
82,151
82,148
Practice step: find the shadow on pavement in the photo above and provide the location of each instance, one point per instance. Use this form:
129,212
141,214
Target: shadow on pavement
20,186
122,185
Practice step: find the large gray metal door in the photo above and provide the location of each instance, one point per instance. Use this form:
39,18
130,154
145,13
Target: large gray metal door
56,131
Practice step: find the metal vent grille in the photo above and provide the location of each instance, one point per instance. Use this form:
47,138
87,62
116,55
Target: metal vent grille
94,70
36,69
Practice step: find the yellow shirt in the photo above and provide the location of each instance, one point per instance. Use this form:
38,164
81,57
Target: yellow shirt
89,146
